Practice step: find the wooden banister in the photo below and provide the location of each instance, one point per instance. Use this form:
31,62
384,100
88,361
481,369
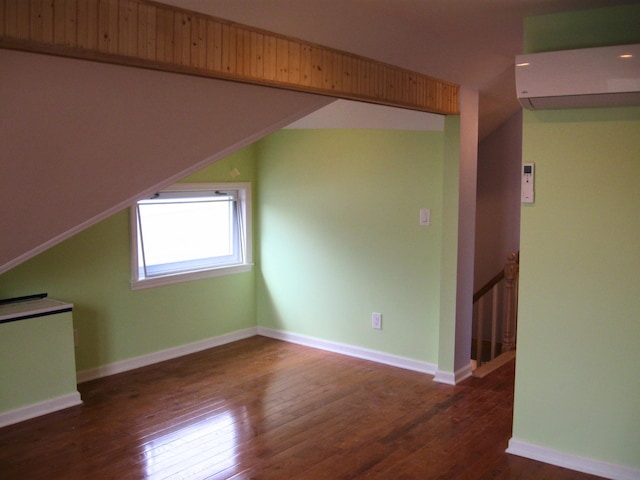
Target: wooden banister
509,313
486,288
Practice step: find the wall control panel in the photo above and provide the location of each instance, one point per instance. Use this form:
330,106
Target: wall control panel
528,179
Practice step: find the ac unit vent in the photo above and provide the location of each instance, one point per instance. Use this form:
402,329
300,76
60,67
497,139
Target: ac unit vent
591,77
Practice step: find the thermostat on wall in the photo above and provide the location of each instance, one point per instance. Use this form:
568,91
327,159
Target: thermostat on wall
527,182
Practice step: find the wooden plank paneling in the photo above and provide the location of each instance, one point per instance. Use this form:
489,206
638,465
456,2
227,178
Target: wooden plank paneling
128,28
87,36
2,18
305,65
257,55
11,18
199,43
270,58
240,53
217,37
153,35
294,63
327,66
316,68
246,56
24,20
231,50
282,60
147,17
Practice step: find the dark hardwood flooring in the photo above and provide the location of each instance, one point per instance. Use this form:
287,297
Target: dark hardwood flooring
265,409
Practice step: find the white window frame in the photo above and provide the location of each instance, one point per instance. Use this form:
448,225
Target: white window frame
246,264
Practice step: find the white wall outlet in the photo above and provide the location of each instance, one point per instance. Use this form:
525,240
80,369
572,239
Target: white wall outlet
376,320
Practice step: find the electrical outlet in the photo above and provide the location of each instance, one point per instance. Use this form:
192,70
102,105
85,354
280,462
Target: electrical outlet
376,320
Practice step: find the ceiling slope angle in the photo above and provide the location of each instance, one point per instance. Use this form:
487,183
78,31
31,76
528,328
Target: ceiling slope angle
83,140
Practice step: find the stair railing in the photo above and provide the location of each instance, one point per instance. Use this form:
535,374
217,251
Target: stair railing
505,319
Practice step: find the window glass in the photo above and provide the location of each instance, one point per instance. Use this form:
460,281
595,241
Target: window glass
189,229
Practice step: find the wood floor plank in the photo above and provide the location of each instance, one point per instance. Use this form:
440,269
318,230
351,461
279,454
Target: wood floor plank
264,409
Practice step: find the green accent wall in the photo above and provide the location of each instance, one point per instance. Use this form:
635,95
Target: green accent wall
449,246
584,29
340,237
114,323
577,388
36,360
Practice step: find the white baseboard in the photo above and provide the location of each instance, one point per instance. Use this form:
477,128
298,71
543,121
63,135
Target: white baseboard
162,355
572,462
41,408
344,349
455,377
349,350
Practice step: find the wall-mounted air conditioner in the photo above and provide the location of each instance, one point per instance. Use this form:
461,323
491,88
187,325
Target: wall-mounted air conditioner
590,77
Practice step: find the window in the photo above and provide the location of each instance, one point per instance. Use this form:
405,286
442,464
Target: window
191,231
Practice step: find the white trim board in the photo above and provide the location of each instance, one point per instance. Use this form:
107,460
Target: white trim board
454,378
41,408
162,355
175,352
349,350
573,462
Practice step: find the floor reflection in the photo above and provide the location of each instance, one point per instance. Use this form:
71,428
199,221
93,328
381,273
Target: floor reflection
195,451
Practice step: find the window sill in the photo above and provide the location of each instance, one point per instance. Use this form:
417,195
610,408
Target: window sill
190,276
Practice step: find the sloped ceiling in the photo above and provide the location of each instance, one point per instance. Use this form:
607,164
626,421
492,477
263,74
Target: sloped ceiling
80,140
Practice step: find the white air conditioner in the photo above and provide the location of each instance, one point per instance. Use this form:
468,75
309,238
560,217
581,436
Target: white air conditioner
590,77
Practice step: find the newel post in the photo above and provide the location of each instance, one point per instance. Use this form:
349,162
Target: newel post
511,280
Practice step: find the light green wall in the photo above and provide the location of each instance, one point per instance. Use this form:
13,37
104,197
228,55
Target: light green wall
36,360
92,271
449,246
578,327
336,213
588,28
577,388
340,238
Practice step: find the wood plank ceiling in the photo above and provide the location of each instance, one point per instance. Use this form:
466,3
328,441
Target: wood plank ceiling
151,35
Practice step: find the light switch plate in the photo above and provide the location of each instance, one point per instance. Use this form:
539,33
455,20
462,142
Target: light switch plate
425,217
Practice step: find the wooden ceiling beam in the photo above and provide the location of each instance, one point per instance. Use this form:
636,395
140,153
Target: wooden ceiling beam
152,35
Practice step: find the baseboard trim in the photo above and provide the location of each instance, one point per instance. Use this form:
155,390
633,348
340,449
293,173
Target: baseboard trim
572,462
162,355
41,408
336,347
349,350
455,377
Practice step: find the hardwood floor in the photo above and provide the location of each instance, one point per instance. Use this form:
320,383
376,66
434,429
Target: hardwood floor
264,409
